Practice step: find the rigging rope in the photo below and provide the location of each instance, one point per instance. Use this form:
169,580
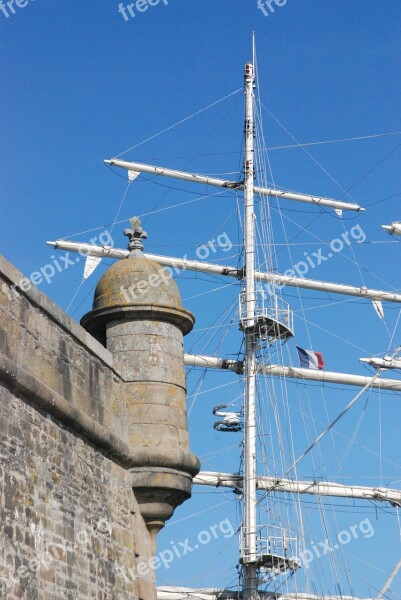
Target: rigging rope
290,146
342,413
152,137
345,192
335,141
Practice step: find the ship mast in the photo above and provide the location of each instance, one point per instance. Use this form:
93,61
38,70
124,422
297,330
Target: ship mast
250,500
263,317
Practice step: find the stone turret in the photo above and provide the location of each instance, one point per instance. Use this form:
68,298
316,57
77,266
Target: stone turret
137,314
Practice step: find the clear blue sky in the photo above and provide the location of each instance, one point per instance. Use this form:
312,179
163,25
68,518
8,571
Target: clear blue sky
81,84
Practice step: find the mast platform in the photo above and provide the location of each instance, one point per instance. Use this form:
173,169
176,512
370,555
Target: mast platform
272,562
272,319
276,550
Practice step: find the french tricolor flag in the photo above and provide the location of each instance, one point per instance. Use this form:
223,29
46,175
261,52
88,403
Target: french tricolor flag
310,359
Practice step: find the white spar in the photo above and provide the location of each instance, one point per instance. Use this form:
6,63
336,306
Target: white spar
230,271
180,264
233,185
291,486
329,377
333,288
394,228
382,363
212,362
89,249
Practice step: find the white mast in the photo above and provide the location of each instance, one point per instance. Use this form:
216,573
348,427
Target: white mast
250,499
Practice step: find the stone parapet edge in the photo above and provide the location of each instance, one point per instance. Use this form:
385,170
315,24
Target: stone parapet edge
20,381
56,314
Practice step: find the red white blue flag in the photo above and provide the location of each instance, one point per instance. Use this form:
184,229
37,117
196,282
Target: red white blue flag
310,359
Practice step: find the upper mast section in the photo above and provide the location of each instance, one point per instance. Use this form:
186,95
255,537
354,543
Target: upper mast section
249,221
262,315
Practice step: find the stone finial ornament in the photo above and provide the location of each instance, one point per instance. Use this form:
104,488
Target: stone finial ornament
135,235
